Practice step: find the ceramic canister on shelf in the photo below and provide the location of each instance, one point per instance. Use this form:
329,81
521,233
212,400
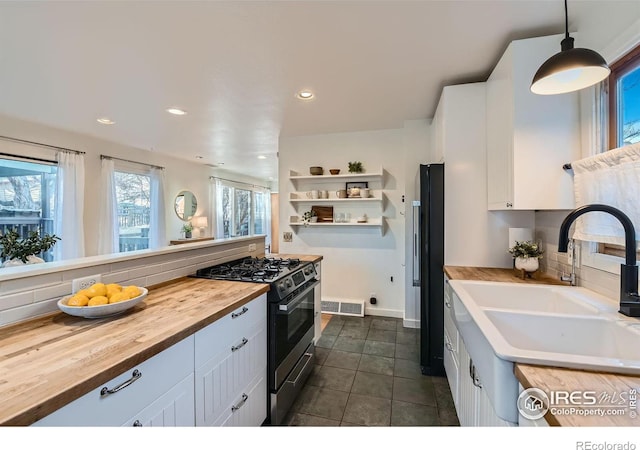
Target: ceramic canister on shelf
342,193
324,194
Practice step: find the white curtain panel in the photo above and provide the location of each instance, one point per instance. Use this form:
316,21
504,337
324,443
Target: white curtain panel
610,178
157,227
109,230
69,210
217,207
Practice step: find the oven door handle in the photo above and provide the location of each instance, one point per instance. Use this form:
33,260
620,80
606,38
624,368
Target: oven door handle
298,298
308,358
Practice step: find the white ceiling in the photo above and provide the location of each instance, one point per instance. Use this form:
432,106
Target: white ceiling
236,66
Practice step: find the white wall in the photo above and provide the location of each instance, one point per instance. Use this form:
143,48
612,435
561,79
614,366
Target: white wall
357,261
179,174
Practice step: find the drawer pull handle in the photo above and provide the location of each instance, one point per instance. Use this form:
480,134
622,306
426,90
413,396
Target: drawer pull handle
234,408
447,304
134,376
238,314
449,346
240,345
137,423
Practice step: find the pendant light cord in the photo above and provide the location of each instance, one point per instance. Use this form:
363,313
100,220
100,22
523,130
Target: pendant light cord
566,20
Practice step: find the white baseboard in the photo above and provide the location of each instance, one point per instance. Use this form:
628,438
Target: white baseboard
369,311
411,323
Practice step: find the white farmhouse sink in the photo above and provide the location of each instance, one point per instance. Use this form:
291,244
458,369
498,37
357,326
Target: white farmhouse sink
561,326
531,297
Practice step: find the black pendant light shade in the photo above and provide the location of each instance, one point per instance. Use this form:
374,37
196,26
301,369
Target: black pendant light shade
570,70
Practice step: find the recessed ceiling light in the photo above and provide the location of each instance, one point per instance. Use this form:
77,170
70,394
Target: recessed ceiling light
305,95
199,157
105,121
176,111
221,164
262,157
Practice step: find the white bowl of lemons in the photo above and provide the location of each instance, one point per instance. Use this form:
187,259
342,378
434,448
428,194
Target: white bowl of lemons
102,300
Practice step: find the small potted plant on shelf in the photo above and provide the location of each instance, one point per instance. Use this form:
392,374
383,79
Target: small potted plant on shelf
526,254
17,251
310,216
355,167
187,228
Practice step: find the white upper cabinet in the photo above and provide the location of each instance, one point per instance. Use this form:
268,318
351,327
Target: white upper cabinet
529,137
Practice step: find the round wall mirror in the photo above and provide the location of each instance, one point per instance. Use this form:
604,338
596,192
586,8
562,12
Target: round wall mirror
185,205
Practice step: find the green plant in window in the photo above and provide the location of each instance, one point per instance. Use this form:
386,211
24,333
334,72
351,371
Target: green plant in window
15,247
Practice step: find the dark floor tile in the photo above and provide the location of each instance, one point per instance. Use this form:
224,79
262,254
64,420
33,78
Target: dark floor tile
404,329
332,328
406,414
321,354
326,403
306,420
372,384
378,334
408,351
354,332
349,344
379,348
370,411
385,324
414,391
357,321
344,360
376,364
448,417
407,338
406,368
326,341
332,378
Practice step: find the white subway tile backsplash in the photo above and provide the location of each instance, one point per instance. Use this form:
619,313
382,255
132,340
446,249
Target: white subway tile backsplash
176,264
162,277
139,262
85,272
29,311
50,292
143,271
116,277
16,300
142,281
30,283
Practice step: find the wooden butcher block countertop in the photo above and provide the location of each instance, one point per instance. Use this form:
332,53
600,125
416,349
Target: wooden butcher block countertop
48,362
561,379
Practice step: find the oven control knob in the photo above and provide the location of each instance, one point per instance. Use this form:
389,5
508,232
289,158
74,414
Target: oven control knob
307,271
281,286
288,282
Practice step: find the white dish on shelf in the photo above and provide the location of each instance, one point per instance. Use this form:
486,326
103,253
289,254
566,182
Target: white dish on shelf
100,311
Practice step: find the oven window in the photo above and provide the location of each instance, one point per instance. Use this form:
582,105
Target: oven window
292,324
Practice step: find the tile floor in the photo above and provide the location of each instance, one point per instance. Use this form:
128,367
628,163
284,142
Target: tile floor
367,373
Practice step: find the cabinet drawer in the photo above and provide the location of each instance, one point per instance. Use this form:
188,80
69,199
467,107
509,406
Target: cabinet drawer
222,378
450,328
157,376
229,329
250,411
173,409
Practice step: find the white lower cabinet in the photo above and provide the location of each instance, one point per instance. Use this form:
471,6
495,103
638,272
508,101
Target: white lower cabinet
146,388
231,355
173,409
471,401
216,376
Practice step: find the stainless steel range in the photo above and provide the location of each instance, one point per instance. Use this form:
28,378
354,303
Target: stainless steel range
290,316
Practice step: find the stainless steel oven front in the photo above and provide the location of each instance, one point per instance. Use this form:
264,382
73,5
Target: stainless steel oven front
291,348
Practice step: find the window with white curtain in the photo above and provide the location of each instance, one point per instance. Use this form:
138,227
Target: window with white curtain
27,197
242,210
133,195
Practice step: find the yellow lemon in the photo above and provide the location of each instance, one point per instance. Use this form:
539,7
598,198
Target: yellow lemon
98,289
78,300
113,289
133,291
98,300
84,292
118,297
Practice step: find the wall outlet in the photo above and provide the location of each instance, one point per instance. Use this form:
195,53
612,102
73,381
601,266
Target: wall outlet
372,298
287,236
252,247
85,282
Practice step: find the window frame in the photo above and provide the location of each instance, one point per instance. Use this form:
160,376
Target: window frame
135,169
628,62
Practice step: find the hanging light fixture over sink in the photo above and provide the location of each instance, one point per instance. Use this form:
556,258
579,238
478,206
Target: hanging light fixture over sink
570,70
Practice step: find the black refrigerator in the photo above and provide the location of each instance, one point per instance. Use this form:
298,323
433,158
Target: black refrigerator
428,262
